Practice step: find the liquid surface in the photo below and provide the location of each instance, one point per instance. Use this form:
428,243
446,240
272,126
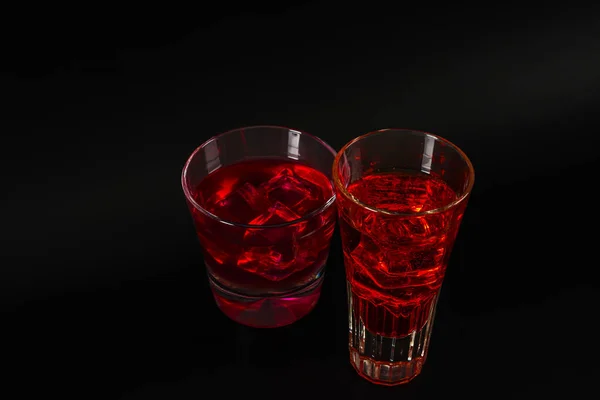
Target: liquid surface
402,192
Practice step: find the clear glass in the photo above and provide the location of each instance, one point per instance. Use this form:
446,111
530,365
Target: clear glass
401,195
261,199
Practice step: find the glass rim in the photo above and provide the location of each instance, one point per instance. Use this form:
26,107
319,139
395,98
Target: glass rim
194,203
342,187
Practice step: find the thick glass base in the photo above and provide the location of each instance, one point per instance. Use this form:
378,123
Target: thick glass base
388,360
270,311
385,372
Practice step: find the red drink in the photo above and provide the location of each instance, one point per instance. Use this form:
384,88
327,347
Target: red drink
398,264
254,251
395,265
401,195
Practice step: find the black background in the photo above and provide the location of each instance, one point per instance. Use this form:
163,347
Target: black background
104,293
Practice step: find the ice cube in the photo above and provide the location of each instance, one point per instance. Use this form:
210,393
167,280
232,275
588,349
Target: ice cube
277,213
379,263
270,262
368,262
296,192
398,259
271,252
242,205
427,258
404,230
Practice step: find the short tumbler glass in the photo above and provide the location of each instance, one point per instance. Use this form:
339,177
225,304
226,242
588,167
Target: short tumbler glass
401,195
262,202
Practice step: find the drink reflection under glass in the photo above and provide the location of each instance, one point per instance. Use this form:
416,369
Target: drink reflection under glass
262,203
401,196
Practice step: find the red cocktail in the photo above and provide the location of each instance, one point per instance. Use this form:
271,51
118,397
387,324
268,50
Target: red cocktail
265,221
401,196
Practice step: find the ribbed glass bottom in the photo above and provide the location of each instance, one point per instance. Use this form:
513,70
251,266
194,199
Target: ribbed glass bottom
387,360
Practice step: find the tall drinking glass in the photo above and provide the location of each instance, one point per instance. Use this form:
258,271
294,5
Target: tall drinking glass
401,195
261,199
